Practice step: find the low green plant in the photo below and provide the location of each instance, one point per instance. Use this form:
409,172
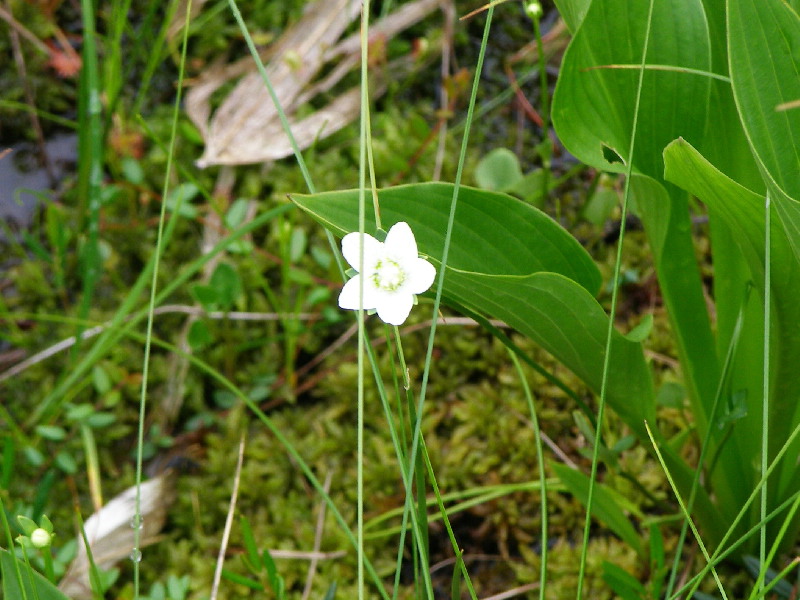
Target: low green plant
703,112
682,97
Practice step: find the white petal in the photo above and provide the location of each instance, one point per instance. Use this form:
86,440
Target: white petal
373,250
394,309
349,296
420,276
400,242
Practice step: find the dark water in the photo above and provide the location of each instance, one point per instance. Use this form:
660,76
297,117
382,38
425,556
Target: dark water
21,175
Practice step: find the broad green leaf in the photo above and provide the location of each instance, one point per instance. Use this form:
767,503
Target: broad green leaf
35,585
572,11
764,51
510,261
595,99
594,112
493,233
567,321
742,212
604,508
665,214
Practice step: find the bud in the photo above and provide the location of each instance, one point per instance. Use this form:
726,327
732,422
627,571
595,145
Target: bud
534,9
40,538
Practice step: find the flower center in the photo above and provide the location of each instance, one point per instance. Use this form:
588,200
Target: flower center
388,275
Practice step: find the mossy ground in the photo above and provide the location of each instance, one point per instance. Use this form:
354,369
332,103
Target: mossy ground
476,425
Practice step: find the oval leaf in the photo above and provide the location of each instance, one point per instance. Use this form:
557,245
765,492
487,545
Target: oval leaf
493,233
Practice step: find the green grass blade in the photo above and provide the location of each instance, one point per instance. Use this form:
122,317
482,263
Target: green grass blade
612,313
542,478
90,161
686,515
159,249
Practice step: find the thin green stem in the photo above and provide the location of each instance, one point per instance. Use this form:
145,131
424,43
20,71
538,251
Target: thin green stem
10,545
446,250
612,313
719,555
90,154
746,506
49,570
542,479
155,49
416,438
417,511
759,589
29,573
726,367
762,545
443,512
42,114
544,107
686,514
159,249
275,100
422,502
653,67
362,176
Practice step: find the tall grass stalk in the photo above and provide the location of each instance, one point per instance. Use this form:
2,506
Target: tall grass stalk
691,586
544,108
155,48
686,514
90,155
422,502
362,333
417,512
10,544
419,410
612,312
760,589
542,479
159,249
706,443
114,73
762,542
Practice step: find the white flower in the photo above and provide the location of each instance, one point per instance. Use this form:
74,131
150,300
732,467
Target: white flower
393,273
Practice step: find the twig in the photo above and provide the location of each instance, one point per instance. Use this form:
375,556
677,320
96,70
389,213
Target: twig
23,31
300,555
466,558
19,58
517,591
226,534
161,310
523,102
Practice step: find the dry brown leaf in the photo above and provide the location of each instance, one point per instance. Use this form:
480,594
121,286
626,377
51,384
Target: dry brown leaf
246,129
111,535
